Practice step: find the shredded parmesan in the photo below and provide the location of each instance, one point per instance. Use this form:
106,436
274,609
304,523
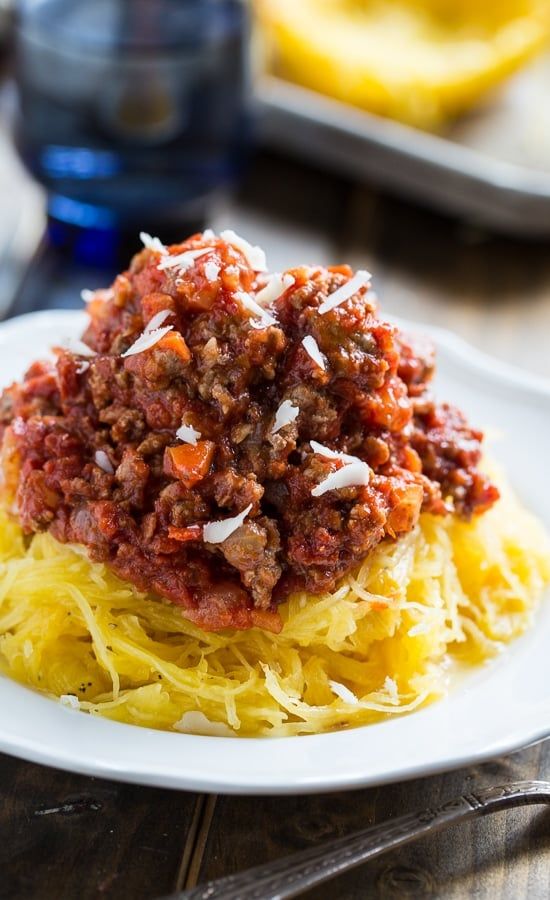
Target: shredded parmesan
275,288
103,461
311,347
218,532
188,434
321,450
182,261
152,243
212,270
70,701
286,414
157,320
249,303
102,294
79,348
343,692
147,340
195,722
254,256
359,280
350,475
208,234
82,367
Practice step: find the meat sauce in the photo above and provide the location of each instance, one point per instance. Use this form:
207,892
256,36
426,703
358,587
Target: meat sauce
95,453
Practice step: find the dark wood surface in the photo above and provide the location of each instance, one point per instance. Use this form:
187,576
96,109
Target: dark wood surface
66,836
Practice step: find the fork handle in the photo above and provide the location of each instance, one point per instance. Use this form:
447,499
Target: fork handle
294,874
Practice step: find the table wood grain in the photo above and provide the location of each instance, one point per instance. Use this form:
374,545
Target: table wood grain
66,836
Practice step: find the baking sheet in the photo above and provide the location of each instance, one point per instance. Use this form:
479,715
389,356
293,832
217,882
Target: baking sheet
491,167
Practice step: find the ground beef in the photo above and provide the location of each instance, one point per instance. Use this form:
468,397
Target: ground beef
90,449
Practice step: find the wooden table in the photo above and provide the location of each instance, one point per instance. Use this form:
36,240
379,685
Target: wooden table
66,836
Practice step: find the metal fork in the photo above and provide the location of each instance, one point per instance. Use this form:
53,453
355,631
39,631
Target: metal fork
295,874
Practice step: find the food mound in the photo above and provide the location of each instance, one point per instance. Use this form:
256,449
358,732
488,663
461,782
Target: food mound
234,507
224,437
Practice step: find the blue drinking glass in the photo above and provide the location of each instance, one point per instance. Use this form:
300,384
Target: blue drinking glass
132,113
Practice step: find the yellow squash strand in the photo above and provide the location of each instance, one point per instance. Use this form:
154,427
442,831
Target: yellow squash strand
420,61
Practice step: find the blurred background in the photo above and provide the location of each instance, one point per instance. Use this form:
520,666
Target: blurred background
408,136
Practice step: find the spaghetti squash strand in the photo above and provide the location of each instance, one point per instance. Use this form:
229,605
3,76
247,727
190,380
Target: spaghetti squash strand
98,637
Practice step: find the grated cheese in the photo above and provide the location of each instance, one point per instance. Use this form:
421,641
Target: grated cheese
286,414
354,474
343,692
70,701
188,434
102,294
212,271
152,243
254,256
218,532
321,450
147,340
82,367
182,261
195,722
79,348
157,320
359,280
249,303
208,234
311,347
275,288
103,461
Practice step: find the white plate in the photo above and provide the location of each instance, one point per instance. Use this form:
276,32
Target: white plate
500,707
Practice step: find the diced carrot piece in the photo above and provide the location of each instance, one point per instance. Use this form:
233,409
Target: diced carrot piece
190,533
411,460
267,619
175,342
406,505
189,462
341,270
154,303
